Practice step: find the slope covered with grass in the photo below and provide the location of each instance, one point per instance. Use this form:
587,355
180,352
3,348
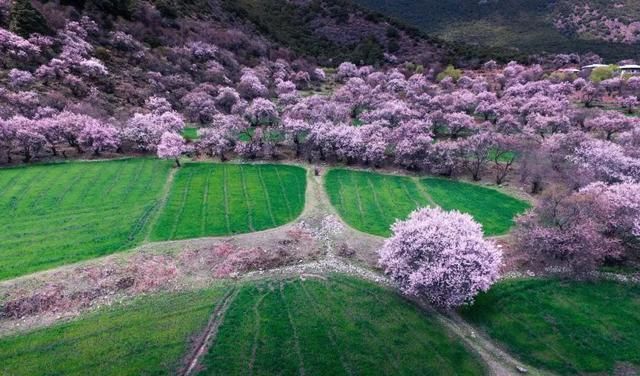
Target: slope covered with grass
337,326
210,199
566,327
148,336
62,213
526,25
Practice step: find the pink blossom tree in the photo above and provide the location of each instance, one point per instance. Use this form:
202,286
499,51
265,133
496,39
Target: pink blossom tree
579,231
609,123
441,256
171,145
99,137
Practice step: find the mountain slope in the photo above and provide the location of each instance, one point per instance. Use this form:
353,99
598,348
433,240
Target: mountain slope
611,29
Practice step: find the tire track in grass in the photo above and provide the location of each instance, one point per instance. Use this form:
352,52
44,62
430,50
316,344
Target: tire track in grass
204,210
256,337
284,192
246,199
15,200
331,334
183,202
93,178
425,342
207,339
9,184
226,198
47,187
424,192
553,349
387,350
135,180
356,188
114,181
266,195
160,204
405,189
58,201
296,341
341,208
375,196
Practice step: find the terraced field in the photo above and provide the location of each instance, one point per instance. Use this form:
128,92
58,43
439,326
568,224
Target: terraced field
209,199
63,213
371,202
337,326
569,328
148,336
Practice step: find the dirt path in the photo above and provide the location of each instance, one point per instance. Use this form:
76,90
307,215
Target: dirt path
194,357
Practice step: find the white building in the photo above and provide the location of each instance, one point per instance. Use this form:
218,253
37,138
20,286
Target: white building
632,69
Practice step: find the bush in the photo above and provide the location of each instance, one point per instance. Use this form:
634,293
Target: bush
450,71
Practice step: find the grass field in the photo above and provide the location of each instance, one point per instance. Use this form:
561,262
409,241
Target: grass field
493,209
565,327
338,326
62,213
209,199
148,336
371,202
190,133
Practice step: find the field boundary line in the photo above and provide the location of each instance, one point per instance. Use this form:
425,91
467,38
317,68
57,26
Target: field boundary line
15,200
266,196
204,210
296,340
423,190
254,346
114,181
356,187
375,195
208,337
226,199
160,204
330,330
284,192
9,184
246,200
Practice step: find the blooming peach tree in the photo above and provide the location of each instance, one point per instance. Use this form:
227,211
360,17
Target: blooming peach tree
440,256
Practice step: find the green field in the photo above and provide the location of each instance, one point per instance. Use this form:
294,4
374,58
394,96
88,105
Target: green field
148,336
338,326
493,209
209,199
62,213
566,327
190,133
371,202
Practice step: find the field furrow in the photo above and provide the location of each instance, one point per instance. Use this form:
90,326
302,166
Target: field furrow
67,212
337,326
209,199
372,202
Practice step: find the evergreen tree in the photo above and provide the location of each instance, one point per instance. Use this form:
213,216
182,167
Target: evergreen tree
25,19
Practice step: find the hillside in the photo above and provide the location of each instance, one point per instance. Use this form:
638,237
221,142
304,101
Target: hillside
610,29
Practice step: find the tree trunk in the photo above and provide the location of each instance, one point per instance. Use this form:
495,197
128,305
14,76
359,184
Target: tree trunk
178,162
